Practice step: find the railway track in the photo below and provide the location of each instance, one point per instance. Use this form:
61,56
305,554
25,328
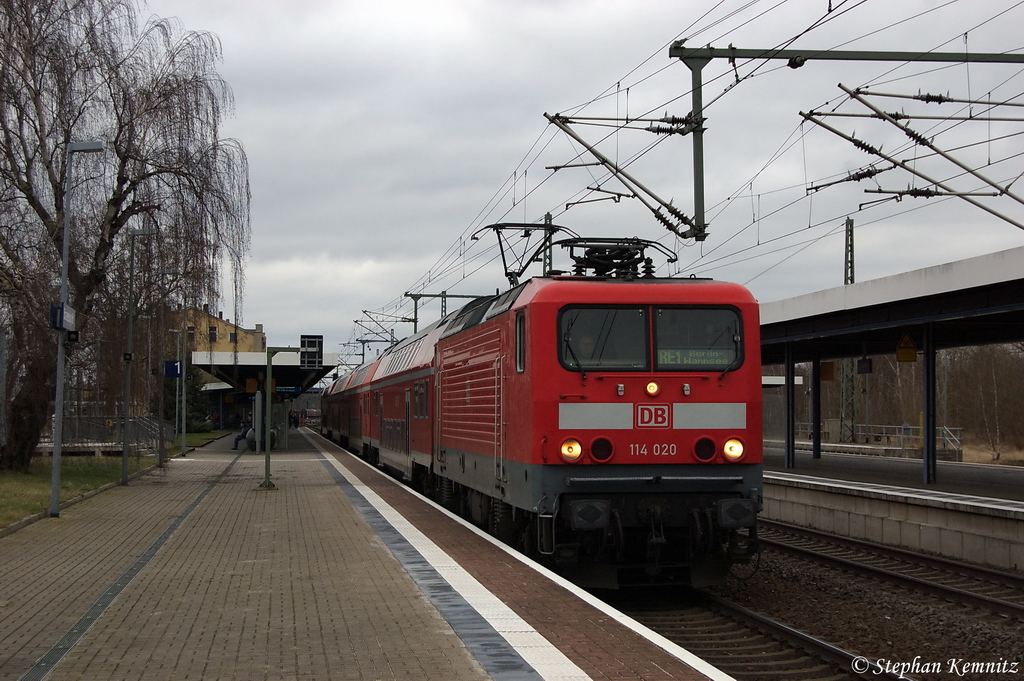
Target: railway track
747,645
998,592
742,643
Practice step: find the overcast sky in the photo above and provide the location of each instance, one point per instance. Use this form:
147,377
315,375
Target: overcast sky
382,134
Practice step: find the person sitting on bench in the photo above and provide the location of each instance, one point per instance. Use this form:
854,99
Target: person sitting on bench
241,434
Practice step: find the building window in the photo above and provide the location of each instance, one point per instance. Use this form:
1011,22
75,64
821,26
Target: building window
233,337
213,334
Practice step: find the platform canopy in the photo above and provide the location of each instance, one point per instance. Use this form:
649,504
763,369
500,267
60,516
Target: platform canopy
969,302
290,374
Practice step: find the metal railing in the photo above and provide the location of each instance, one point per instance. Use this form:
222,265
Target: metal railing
901,437
106,433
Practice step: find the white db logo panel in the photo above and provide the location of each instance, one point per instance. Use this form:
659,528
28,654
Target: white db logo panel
653,416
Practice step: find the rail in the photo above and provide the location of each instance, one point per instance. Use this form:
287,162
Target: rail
976,586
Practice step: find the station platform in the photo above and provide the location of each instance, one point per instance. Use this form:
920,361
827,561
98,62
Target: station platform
972,513
195,571
992,481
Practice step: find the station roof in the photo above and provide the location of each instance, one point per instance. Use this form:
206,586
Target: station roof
287,370
969,302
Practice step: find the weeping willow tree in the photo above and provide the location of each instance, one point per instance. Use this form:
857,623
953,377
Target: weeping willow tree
83,70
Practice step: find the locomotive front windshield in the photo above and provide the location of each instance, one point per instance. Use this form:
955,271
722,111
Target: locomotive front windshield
616,338
608,338
696,339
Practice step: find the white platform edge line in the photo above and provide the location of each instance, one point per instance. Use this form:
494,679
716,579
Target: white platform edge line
899,491
657,639
543,656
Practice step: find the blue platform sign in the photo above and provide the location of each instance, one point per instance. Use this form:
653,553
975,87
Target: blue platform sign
172,368
62,316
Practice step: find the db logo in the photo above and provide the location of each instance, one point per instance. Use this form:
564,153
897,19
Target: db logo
652,416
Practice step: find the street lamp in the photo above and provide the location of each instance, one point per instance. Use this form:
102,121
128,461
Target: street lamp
145,231
177,379
163,372
62,330
149,362
184,365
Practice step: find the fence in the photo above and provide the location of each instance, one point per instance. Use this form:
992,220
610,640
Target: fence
104,435
902,437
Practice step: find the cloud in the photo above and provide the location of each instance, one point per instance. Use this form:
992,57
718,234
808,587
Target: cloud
320,294
380,133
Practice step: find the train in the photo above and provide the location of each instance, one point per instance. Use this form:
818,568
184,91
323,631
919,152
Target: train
605,421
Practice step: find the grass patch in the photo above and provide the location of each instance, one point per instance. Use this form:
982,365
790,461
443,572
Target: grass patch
196,440
25,494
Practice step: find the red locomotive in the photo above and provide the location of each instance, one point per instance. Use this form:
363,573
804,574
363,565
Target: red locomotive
609,424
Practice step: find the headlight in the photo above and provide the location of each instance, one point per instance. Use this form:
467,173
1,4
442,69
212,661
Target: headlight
652,388
733,450
572,450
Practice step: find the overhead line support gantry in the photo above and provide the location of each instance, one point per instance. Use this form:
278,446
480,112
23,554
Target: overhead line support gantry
696,58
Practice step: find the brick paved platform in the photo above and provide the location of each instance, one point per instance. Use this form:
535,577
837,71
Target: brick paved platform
196,572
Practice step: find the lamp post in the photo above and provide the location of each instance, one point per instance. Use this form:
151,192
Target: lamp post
3,386
184,364
184,386
163,372
269,389
62,333
177,380
145,231
149,362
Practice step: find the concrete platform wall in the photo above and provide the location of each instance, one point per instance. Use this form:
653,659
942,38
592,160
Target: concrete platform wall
952,526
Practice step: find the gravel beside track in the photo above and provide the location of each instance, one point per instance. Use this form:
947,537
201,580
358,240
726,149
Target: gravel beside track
740,643
880,621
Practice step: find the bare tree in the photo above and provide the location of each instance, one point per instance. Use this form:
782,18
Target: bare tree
988,393
76,70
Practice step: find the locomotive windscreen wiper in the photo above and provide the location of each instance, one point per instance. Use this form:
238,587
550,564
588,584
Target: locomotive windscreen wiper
572,353
736,358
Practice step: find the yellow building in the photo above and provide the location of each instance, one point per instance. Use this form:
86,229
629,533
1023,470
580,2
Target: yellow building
210,333
233,362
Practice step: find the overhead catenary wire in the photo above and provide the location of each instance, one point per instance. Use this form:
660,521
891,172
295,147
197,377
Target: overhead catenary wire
1008,79
708,264
446,271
